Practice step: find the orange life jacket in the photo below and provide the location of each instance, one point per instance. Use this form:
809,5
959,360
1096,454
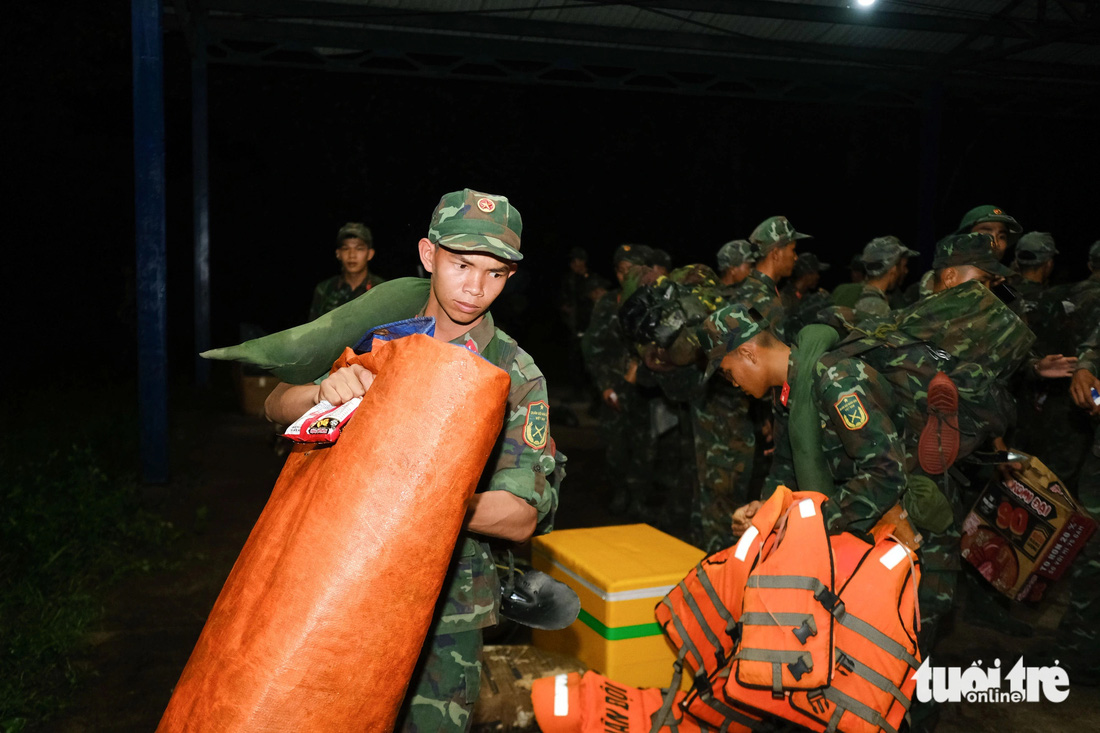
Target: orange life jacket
749,608
859,596
594,704
699,615
787,608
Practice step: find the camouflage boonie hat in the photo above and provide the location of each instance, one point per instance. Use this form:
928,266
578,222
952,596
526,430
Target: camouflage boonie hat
356,230
982,214
724,330
774,232
471,221
975,249
1035,248
635,254
734,254
1094,254
882,253
807,262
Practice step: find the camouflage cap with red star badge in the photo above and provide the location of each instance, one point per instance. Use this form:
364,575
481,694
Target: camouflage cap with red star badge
472,221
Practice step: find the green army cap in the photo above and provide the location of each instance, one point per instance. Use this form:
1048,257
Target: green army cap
635,254
354,229
578,253
975,249
472,221
735,253
775,231
1094,254
882,253
1035,248
988,212
724,330
807,262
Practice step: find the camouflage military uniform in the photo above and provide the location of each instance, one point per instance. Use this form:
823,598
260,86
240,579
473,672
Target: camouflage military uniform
1079,631
802,306
871,302
470,599
630,444
760,292
725,445
862,445
880,256
445,685
334,292
662,315
1061,320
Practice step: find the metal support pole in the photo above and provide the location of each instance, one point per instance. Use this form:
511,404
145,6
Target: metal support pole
149,206
931,122
200,163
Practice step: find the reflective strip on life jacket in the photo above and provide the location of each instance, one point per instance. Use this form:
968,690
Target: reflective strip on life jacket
857,667
690,600
706,624
879,639
686,644
845,703
703,705
712,595
794,574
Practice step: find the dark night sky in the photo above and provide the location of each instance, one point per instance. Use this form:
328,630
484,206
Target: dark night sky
294,154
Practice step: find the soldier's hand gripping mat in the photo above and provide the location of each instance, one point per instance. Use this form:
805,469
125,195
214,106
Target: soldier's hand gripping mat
322,618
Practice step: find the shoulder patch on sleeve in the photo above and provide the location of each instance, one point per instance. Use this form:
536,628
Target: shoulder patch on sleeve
536,426
851,411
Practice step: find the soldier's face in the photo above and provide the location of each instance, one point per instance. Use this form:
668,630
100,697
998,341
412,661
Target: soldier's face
735,275
621,270
999,231
744,369
787,258
354,254
464,284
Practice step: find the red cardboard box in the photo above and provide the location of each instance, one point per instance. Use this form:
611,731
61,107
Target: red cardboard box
1023,533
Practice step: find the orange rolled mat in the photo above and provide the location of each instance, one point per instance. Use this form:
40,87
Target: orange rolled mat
322,618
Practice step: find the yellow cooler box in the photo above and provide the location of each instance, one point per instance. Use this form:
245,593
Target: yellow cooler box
620,573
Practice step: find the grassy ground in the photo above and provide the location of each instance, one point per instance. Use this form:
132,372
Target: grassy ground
72,525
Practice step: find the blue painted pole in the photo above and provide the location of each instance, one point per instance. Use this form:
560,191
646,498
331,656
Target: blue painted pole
200,171
149,182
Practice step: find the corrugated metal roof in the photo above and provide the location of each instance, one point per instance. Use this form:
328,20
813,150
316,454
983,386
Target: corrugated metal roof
948,40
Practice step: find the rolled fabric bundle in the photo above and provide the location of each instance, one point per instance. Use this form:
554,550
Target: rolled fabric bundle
321,620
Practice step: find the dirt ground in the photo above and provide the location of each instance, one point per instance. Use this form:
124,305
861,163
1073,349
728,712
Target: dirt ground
224,466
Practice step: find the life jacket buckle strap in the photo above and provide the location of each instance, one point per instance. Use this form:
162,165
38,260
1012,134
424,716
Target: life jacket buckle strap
805,631
831,601
804,665
702,682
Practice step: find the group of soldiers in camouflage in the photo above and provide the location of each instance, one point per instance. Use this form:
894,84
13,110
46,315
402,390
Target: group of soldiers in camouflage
874,395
